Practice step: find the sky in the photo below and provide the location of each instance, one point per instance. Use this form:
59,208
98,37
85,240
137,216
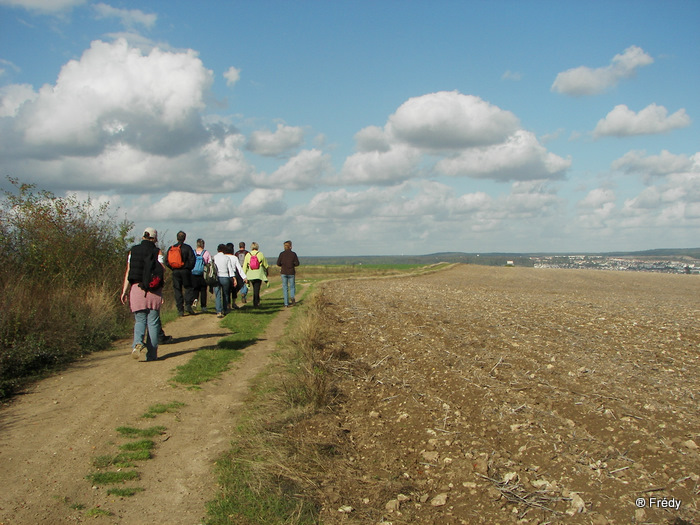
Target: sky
366,127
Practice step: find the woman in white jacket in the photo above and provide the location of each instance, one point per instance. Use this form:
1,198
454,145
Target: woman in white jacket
226,270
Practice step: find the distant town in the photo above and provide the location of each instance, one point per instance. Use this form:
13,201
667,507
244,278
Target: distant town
681,261
626,263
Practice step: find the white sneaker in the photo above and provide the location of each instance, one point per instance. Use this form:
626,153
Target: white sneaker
136,352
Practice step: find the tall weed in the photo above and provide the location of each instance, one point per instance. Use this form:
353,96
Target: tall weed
61,268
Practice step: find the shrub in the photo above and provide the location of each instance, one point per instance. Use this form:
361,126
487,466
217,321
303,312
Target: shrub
61,268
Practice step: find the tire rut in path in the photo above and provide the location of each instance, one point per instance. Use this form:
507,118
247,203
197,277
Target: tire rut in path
50,436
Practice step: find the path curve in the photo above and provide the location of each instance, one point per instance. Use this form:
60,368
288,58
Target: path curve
50,436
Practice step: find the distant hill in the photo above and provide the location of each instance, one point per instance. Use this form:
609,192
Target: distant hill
486,259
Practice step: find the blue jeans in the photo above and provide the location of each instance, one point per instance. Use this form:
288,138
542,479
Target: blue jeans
288,288
147,319
222,293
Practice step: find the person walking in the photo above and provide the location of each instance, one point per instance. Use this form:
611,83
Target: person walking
255,267
241,253
143,289
226,271
180,259
288,261
199,285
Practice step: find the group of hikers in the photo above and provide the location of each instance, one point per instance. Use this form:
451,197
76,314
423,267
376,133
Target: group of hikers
195,273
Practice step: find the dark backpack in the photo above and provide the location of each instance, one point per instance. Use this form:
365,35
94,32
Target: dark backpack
175,260
211,275
152,278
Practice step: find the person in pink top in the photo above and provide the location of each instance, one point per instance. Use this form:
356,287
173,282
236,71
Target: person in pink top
143,289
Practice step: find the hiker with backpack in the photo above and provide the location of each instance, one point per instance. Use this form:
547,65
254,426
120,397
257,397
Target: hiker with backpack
255,267
199,285
241,253
143,289
226,275
288,261
180,259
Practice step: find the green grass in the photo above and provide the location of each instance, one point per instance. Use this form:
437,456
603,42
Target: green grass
108,478
135,446
141,432
247,324
249,502
123,460
161,408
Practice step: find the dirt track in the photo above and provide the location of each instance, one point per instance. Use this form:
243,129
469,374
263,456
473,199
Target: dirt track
503,395
50,436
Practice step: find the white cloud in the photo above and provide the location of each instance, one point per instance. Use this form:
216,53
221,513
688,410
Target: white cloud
302,171
512,75
129,18
397,164
12,98
623,122
263,202
587,81
449,121
274,143
44,6
115,94
636,162
520,157
232,76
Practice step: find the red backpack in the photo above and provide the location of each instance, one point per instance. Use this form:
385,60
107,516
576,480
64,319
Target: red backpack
175,257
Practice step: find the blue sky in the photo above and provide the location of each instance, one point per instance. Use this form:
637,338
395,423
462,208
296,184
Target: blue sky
364,127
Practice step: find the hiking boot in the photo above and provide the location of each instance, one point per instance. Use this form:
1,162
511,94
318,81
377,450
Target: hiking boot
190,310
165,340
136,352
219,315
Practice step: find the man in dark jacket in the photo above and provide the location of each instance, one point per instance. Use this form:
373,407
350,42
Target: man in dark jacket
288,261
180,258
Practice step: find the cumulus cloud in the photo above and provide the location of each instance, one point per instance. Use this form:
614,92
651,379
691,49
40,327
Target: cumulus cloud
584,80
623,122
520,157
399,163
263,202
44,6
452,134
637,162
232,76
12,98
273,143
129,18
303,171
115,94
450,120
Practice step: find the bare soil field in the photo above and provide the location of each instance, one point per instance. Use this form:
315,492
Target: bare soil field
511,395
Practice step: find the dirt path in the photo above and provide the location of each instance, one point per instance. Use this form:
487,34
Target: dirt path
50,436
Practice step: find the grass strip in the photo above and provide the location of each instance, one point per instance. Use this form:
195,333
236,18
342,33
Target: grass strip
134,446
141,432
247,324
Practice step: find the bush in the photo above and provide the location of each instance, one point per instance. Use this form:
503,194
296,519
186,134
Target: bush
61,268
